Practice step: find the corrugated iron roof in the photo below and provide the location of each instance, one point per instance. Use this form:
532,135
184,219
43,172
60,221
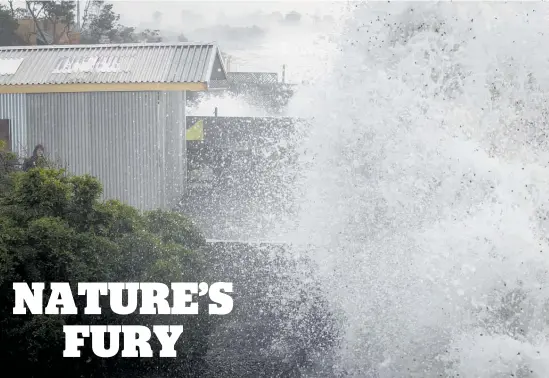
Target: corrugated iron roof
110,64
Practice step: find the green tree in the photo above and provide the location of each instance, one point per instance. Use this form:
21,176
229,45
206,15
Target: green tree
53,19
150,36
54,228
103,26
8,26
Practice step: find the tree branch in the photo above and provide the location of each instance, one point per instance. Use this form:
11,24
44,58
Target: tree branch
11,8
35,19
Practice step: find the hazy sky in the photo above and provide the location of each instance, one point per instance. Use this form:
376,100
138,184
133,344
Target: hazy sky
134,12
140,11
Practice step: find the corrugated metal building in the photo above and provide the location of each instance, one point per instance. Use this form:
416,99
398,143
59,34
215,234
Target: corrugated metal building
116,112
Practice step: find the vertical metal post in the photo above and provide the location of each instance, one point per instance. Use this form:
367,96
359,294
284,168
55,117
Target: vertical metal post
283,73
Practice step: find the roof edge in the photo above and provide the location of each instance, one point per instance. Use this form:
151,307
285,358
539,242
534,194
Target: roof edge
108,45
222,62
103,87
209,72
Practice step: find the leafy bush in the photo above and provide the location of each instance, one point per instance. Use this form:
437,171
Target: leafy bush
8,164
55,228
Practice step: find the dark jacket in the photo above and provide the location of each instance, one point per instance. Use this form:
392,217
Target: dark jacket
33,160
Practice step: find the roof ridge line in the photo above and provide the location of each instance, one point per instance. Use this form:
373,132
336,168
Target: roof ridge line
107,45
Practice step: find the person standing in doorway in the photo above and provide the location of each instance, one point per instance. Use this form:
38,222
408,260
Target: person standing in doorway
37,154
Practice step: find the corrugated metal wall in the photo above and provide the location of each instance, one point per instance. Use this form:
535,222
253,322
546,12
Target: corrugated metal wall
13,107
132,141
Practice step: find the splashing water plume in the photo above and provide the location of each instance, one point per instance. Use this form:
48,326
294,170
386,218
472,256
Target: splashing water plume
228,105
425,187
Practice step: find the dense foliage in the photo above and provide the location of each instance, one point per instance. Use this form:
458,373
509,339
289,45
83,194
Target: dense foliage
54,228
99,23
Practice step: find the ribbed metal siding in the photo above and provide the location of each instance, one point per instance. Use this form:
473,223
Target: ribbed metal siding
13,108
128,140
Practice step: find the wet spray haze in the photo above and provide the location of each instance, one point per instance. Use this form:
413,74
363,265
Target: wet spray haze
425,189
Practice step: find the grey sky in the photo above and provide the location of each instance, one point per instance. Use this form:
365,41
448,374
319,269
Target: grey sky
139,11
134,11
